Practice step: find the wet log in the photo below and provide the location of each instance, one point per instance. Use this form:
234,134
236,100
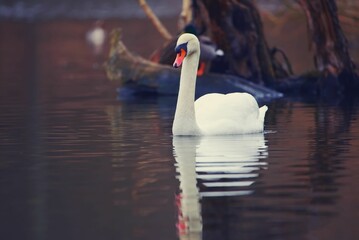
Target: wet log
137,75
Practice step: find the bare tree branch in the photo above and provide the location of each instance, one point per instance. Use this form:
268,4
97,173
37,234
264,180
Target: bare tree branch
186,14
154,19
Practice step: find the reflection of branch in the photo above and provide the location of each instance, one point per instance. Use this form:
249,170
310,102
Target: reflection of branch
154,19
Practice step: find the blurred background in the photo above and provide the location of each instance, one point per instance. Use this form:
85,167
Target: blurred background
48,38
76,163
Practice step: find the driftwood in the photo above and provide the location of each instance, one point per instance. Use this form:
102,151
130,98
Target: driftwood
137,75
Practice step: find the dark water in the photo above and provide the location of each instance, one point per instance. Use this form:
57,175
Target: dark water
75,163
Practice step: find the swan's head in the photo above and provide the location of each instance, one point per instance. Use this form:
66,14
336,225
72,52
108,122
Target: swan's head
187,44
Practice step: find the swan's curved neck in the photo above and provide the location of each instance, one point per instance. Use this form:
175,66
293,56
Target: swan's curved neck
185,118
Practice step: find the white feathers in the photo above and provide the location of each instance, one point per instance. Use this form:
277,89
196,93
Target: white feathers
212,114
234,113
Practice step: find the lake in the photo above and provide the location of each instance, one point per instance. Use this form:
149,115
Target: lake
76,163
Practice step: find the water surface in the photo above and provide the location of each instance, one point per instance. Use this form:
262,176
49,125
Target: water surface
76,163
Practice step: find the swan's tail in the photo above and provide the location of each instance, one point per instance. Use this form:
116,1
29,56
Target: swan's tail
262,113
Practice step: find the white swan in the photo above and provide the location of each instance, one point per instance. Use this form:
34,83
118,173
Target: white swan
211,114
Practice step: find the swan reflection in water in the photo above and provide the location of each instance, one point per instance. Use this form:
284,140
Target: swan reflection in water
214,166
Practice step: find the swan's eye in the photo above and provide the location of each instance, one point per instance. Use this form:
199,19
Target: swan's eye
181,47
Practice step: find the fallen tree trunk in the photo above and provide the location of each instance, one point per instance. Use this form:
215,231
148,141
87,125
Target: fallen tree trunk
137,75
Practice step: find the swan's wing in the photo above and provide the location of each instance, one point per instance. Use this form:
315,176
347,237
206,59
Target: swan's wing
235,106
234,113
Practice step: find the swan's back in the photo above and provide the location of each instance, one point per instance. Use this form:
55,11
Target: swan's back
234,113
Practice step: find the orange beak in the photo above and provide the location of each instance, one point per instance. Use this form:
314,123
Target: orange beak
179,58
